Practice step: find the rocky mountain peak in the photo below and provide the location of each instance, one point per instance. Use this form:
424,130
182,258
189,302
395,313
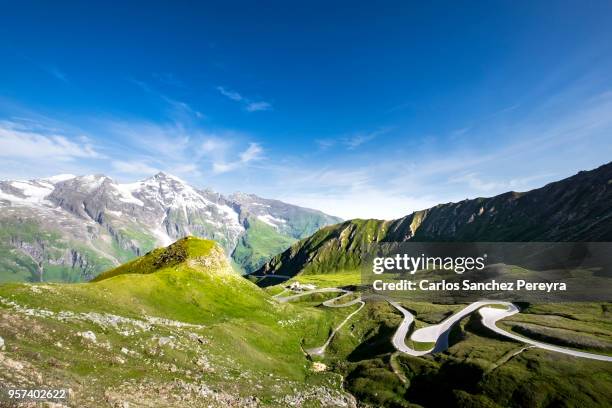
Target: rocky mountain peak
82,225
163,177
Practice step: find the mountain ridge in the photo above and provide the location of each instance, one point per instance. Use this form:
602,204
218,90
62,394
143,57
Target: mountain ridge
573,209
69,228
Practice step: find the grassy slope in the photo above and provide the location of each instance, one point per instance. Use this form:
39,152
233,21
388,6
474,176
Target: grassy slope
160,258
253,344
259,243
16,265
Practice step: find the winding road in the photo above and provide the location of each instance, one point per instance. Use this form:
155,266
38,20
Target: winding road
491,315
319,351
438,333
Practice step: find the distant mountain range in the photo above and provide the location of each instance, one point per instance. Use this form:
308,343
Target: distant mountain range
578,208
68,228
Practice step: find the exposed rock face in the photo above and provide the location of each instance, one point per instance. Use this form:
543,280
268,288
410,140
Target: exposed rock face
69,228
578,208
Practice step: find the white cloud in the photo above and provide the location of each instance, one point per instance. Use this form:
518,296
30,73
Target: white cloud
475,182
179,149
214,145
134,167
541,145
362,203
258,106
356,140
252,153
179,110
17,141
249,105
168,140
187,169
351,141
234,96
330,180
219,168
533,150
325,144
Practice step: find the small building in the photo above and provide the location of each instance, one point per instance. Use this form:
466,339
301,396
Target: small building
297,286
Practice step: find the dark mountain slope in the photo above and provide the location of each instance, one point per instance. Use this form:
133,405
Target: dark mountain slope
578,208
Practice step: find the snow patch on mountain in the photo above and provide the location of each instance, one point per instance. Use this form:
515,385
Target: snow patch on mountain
93,214
26,192
93,182
270,220
125,194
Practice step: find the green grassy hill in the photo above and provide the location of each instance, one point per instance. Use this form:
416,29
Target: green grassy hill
176,327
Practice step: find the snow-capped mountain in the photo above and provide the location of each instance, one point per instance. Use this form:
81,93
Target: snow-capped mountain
70,228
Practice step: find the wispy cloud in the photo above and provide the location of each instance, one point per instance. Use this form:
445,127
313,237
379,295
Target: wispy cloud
477,183
252,153
178,148
248,104
346,176
133,167
234,96
457,133
351,141
325,144
56,72
31,149
19,140
258,106
179,109
213,144
559,138
355,140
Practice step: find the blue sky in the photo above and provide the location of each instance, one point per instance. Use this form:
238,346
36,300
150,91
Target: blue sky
357,109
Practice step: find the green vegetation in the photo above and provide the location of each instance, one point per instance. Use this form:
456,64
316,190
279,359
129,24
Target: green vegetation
176,316
329,250
584,326
259,243
160,258
37,253
421,346
329,280
138,236
17,266
180,317
479,369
